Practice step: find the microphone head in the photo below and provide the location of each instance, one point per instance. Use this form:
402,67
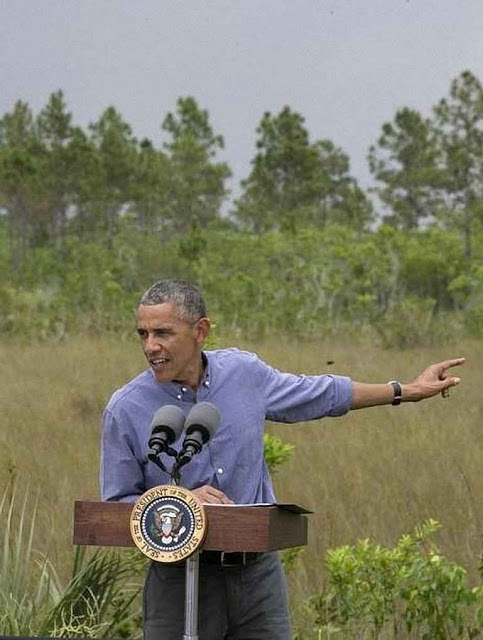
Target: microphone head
168,419
204,417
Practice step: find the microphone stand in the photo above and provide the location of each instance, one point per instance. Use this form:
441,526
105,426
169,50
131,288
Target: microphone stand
192,573
192,570
191,597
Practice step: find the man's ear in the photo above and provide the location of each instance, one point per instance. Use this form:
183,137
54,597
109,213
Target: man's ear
203,327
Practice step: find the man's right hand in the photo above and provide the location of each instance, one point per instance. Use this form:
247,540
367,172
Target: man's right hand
210,495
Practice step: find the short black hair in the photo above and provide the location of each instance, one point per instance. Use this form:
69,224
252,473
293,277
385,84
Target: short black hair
187,297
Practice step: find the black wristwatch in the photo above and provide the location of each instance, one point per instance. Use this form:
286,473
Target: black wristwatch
397,391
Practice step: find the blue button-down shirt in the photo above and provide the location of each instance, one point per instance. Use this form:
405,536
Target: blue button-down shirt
247,392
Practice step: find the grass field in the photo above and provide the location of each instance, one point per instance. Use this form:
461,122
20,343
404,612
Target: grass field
374,473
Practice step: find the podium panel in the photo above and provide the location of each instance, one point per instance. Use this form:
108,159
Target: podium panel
230,527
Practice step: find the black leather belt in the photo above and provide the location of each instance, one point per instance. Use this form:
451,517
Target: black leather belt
229,558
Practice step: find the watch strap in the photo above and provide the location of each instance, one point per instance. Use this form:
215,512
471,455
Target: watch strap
397,392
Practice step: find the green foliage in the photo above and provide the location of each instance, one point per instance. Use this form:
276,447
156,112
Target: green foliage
116,161
432,168
197,189
276,451
149,202
468,290
93,293
294,183
410,323
392,592
19,307
98,601
320,281
57,180
459,122
26,579
405,161
290,558
89,218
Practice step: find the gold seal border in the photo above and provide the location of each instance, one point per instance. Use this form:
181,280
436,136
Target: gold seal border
191,501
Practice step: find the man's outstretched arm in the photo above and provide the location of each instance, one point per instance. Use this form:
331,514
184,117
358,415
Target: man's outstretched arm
435,379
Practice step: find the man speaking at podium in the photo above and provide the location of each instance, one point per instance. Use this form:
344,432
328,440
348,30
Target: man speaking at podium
241,596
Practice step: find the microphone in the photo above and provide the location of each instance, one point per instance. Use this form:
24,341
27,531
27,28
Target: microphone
201,425
166,427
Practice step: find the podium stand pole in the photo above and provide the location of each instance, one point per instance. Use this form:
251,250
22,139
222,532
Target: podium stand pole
191,597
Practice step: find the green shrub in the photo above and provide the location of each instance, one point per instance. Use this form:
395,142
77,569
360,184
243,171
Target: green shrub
380,592
96,602
410,323
276,451
313,283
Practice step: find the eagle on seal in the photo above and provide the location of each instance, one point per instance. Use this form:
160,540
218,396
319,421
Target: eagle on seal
167,524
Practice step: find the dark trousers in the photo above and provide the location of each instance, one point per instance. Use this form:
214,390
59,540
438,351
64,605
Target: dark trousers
235,603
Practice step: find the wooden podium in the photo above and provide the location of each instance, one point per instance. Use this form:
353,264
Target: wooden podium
230,528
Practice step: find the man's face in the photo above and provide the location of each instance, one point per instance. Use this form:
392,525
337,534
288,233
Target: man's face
171,345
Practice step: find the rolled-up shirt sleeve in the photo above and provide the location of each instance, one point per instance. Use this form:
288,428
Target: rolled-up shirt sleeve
298,398
121,473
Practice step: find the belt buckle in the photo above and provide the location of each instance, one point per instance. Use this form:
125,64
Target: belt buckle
226,562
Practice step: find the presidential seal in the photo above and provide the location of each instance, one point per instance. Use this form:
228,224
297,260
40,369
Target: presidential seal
168,523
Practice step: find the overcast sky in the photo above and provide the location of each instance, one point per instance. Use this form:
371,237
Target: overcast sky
346,65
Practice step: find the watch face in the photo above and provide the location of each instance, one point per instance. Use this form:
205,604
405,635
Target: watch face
168,523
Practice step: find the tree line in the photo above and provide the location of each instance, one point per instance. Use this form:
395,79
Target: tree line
89,215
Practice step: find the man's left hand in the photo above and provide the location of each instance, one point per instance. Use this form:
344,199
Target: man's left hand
435,379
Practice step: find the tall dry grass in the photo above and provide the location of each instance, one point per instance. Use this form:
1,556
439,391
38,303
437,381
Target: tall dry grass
52,396
373,473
